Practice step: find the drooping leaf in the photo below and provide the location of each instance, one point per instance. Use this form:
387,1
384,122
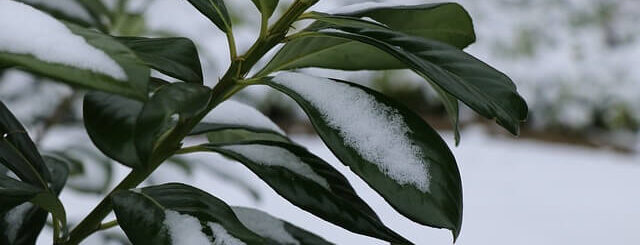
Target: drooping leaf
169,107
445,22
15,192
153,215
81,57
277,231
310,183
266,7
110,122
216,11
483,88
176,57
390,147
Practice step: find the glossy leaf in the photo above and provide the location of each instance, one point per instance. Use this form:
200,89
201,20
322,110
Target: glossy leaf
310,183
176,57
440,203
168,108
229,133
266,7
136,71
110,122
275,230
15,192
141,214
216,11
483,88
445,22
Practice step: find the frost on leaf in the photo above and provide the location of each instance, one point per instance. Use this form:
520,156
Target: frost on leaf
26,30
376,131
265,225
232,112
276,156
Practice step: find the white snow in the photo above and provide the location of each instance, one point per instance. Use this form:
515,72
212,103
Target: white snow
361,6
184,229
378,132
276,156
14,219
233,112
264,225
22,31
221,236
70,8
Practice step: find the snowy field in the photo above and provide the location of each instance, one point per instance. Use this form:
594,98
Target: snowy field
515,192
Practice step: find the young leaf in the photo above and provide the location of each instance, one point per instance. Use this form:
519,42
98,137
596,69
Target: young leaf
216,11
176,57
81,57
310,183
266,7
390,147
169,108
277,231
178,214
110,121
445,22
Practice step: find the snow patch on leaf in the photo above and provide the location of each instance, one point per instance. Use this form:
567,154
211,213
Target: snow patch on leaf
276,156
233,112
26,30
376,131
222,237
70,8
184,229
264,225
14,218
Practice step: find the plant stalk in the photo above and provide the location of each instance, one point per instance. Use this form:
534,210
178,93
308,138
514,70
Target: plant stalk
227,86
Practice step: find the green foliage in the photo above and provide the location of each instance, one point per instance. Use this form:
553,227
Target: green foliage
143,122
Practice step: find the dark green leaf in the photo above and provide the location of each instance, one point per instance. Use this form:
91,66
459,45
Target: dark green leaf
85,165
216,11
424,186
445,22
110,121
18,153
136,72
176,57
483,88
23,224
266,7
230,133
141,214
169,107
15,192
309,183
257,221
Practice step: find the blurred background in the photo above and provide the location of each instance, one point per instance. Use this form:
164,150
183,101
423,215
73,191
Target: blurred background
572,177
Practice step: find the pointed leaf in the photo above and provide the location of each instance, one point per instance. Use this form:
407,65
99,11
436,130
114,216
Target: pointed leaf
175,213
483,88
169,108
309,183
387,145
15,192
70,53
445,22
277,231
216,11
70,10
266,7
176,57
110,121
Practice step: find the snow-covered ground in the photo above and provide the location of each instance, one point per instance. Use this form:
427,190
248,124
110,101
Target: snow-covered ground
515,192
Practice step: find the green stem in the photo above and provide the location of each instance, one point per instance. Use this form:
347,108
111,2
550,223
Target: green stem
227,86
190,149
108,225
233,53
